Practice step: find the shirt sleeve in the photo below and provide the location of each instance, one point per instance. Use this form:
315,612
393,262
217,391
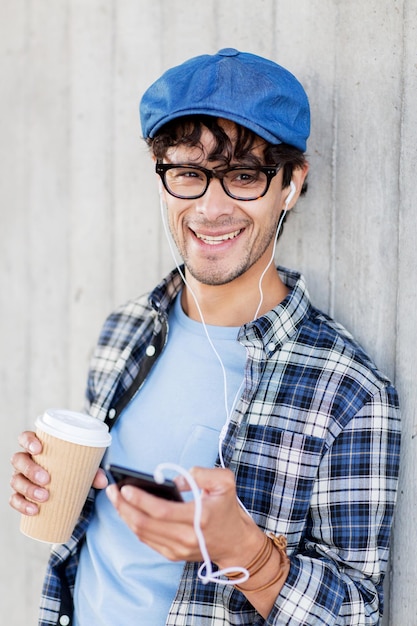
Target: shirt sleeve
337,575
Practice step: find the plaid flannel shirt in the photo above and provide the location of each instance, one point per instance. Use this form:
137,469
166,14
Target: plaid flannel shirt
314,446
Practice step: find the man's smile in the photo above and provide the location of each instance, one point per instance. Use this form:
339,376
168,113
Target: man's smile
213,240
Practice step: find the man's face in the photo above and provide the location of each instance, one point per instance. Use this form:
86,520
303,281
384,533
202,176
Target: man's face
221,239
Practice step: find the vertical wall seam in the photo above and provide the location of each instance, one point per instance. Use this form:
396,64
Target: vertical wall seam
68,132
274,39
111,157
25,175
399,188
216,20
333,212
391,573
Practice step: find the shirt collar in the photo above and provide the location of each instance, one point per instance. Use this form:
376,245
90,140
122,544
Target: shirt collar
281,323
273,329
165,293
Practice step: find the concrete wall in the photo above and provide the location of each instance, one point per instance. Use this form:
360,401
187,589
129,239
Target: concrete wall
79,222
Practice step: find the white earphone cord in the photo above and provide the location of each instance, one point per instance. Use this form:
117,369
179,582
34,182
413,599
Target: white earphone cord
210,575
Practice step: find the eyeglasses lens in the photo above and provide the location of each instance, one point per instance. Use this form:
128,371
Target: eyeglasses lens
241,183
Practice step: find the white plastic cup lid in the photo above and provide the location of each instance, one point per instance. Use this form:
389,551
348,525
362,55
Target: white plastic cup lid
74,427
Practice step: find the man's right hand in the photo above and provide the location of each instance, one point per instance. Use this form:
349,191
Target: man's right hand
29,479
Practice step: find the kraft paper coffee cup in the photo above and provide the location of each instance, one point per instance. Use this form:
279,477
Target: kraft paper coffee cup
73,445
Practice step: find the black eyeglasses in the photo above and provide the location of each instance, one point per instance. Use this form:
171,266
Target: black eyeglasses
241,183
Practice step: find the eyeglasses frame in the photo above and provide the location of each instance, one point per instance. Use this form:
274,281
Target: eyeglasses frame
269,170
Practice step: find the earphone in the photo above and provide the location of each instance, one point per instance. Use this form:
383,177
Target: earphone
288,199
291,195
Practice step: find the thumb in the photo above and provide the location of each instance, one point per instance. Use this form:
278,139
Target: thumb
214,481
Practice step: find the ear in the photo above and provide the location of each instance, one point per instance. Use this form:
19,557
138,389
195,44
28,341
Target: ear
292,193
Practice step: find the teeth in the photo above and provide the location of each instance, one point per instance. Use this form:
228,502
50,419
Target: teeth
212,241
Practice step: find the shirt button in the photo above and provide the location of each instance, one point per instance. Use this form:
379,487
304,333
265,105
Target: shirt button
271,346
150,350
111,414
64,620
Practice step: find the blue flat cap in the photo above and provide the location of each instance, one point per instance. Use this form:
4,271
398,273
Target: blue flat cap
245,88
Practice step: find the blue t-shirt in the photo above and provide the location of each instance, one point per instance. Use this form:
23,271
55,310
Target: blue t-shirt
176,417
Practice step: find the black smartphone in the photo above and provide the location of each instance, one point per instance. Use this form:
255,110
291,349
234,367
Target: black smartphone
123,476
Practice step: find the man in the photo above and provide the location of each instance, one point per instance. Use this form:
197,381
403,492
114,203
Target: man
226,367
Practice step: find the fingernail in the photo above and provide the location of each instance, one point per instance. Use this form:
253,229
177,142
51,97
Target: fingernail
41,494
33,447
31,509
111,491
128,492
41,477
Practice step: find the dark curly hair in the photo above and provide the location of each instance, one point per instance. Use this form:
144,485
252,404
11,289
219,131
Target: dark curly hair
186,131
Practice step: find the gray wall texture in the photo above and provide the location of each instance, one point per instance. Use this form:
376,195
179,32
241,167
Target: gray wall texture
80,228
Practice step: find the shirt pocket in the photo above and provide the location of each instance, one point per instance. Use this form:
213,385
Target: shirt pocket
201,447
275,474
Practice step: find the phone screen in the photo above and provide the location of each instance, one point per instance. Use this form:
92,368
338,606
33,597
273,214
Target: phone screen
123,476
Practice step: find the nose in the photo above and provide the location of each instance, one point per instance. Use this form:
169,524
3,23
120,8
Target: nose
215,202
